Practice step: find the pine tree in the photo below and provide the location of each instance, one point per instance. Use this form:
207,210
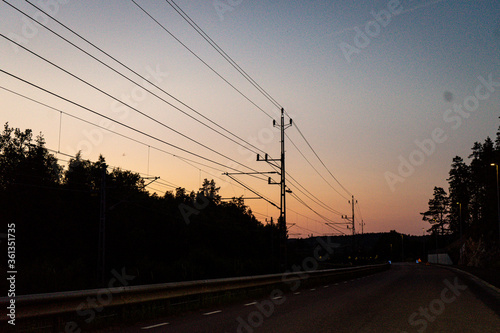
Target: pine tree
459,197
437,215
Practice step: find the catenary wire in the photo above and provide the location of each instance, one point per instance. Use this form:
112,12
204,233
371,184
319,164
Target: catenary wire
139,75
219,75
202,33
118,122
327,182
205,36
199,58
321,161
302,135
128,105
109,166
244,74
315,212
213,44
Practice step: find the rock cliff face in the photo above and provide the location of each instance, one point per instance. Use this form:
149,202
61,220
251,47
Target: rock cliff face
475,253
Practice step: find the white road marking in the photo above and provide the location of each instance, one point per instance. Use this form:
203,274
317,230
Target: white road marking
313,289
248,304
153,326
297,293
278,297
325,286
211,313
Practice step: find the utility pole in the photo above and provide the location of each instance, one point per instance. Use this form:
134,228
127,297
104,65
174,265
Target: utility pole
353,224
423,244
101,256
402,249
353,227
361,241
437,254
272,241
460,218
282,219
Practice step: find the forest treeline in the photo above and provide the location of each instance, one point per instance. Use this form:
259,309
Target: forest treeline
181,235
185,235
469,210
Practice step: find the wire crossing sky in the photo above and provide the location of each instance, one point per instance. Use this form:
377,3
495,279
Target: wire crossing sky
383,95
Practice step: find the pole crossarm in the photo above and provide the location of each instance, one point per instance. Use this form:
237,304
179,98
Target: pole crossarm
269,160
345,217
252,173
244,198
251,190
270,181
153,180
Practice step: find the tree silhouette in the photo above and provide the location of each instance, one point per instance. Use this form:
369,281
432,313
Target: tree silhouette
437,215
57,216
460,195
472,199
210,191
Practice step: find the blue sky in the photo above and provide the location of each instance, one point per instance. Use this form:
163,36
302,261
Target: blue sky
360,113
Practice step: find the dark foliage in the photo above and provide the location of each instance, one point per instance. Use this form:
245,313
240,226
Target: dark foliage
174,237
470,211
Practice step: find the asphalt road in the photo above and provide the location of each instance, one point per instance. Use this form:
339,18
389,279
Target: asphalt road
406,298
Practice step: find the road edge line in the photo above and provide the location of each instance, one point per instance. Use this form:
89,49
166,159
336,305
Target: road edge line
494,291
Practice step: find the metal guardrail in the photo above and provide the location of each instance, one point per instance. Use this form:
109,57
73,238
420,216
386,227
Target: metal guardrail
59,303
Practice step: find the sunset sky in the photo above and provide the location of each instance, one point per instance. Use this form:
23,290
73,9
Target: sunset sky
385,92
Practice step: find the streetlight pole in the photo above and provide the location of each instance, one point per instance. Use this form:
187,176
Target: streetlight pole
498,201
391,251
423,243
437,254
460,217
402,249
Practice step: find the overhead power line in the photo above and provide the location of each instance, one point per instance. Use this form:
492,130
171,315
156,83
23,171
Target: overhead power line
199,58
314,167
233,63
309,230
139,75
118,122
230,60
302,135
207,38
126,104
160,182
314,211
252,190
184,159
